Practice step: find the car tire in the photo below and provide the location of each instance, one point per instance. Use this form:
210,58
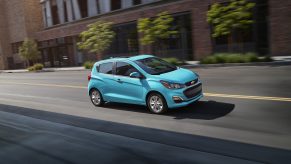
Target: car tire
156,103
96,97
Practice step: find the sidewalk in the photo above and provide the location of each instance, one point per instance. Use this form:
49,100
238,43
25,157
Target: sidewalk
45,70
278,61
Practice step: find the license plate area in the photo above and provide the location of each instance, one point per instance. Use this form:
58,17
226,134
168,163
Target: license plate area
193,91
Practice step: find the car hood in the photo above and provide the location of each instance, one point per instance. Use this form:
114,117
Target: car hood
180,75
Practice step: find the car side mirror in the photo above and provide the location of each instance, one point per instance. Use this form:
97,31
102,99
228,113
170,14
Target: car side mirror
135,75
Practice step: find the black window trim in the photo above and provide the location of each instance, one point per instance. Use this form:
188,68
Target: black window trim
114,70
98,67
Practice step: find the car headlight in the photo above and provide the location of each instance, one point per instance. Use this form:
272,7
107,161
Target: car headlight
170,85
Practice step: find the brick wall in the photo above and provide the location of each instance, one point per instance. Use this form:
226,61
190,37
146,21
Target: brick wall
5,50
280,27
14,10
33,17
18,19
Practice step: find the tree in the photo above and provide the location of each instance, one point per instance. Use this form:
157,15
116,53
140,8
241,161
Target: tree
234,16
29,51
97,37
156,29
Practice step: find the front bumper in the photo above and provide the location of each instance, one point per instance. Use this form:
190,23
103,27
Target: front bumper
188,95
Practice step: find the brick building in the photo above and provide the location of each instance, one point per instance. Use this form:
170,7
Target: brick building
56,24
18,19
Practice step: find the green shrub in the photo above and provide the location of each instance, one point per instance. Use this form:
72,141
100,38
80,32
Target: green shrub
35,67
38,66
232,58
266,59
30,69
209,60
88,64
220,58
173,61
251,57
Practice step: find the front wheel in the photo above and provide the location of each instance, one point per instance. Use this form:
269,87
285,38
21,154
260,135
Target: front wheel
156,103
96,97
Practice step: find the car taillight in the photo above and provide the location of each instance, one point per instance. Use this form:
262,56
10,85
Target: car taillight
89,77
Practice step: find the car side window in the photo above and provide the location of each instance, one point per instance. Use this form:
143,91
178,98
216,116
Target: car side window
105,68
124,69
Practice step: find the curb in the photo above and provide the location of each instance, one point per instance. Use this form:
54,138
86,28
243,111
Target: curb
189,66
275,63
45,70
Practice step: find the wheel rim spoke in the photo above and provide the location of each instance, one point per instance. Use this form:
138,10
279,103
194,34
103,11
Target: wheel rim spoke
96,99
156,103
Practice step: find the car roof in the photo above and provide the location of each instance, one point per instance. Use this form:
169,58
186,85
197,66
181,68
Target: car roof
123,58
138,57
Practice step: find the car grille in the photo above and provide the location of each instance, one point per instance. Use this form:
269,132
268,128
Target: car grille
192,82
193,91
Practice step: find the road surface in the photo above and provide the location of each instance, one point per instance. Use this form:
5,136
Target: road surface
244,117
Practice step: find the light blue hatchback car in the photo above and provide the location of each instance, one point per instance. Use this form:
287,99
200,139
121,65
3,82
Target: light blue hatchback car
143,80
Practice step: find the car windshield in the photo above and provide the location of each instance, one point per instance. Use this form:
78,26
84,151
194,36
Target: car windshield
155,66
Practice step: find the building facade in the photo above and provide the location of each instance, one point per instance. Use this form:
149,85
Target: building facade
56,24
19,19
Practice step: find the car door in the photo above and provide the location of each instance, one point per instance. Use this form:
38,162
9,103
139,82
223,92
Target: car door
127,89
107,80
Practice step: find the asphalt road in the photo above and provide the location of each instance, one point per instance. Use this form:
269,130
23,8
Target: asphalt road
245,117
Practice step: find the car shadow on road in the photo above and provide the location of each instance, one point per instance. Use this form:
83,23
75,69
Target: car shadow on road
204,110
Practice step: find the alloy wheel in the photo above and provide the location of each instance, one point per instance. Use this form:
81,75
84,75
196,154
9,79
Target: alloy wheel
156,104
96,97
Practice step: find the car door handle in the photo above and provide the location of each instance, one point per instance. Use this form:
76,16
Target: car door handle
118,80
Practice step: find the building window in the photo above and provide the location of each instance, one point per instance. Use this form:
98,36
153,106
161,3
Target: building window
55,13
136,2
65,12
125,41
57,52
254,39
83,5
115,5
237,41
44,15
179,45
15,47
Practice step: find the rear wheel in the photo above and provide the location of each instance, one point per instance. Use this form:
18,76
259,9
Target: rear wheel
96,97
157,103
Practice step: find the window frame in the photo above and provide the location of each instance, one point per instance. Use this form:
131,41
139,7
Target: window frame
112,68
115,70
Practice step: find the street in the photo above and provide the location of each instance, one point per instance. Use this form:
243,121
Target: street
47,117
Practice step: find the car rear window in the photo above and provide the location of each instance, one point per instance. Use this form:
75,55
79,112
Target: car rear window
106,68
